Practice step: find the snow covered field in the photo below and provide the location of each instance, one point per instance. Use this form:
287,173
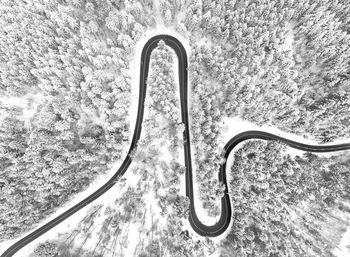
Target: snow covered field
343,249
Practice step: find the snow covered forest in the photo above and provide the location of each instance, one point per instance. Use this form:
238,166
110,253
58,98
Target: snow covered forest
286,205
66,80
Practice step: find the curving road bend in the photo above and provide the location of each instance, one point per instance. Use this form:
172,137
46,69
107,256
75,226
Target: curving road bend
197,225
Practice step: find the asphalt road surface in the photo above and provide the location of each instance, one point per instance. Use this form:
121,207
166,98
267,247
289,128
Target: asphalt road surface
197,225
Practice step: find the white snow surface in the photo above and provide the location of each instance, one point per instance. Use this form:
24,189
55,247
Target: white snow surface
28,103
343,249
288,38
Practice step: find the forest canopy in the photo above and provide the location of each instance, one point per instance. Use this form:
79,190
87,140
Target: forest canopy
69,62
280,63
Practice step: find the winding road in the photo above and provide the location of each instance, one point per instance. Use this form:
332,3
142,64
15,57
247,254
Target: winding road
197,225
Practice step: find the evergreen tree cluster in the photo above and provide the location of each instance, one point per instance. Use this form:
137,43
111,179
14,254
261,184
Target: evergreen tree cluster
74,57
284,205
271,62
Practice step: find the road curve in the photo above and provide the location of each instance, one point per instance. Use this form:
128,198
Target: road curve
197,225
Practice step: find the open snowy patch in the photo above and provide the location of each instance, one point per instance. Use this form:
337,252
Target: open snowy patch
29,105
343,249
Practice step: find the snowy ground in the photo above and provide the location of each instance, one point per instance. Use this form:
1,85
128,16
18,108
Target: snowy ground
28,104
343,249
105,200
